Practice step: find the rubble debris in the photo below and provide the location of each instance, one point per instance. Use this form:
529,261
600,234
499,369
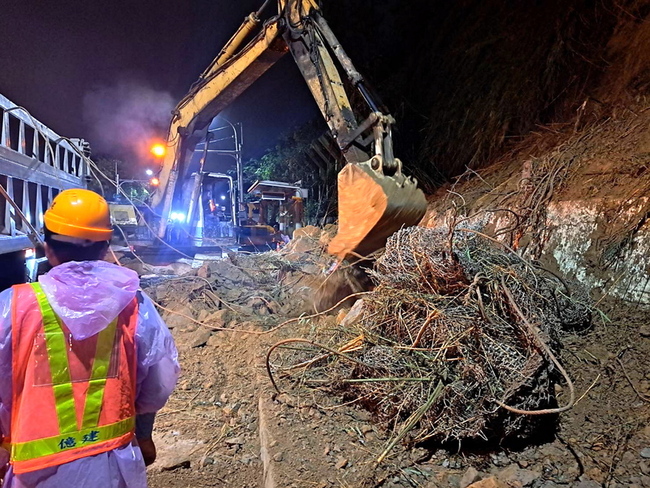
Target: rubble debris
244,290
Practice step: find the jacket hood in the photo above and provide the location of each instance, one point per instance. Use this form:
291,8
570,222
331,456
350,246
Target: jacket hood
88,295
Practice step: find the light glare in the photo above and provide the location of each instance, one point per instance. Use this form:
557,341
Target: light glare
158,150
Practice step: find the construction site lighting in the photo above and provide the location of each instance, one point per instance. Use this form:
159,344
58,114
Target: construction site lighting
149,172
154,182
158,150
177,216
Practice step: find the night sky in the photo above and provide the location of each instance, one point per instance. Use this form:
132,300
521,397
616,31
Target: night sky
111,71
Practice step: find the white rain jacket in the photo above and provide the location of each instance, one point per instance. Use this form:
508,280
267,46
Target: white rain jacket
87,296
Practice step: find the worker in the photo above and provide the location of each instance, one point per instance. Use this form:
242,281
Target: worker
279,237
85,361
220,215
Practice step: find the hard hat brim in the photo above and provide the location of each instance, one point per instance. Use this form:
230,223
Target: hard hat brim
60,226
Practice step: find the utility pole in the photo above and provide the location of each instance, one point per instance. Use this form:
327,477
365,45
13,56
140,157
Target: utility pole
117,182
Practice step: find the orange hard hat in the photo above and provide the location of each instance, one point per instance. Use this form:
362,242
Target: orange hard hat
79,213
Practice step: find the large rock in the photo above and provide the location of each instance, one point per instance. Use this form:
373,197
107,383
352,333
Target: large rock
260,306
177,317
203,314
175,452
329,231
229,275
517,477
490,482
303,245
169,291
220,318
307,231
176,269
199,337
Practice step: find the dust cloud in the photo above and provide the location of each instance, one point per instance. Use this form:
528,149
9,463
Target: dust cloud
126,117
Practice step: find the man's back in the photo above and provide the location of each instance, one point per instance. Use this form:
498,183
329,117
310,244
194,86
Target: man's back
88,296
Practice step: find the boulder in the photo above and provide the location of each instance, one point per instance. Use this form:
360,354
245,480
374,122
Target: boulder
490,482
199,337
227,274
329,231
303,244
175,318
220,318
307,231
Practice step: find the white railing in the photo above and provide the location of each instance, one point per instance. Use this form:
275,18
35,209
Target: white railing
35,164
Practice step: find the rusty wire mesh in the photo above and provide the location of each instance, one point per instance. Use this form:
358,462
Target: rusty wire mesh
440,313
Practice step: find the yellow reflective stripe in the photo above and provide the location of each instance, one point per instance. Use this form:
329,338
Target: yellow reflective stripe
25,451
58,359
105,343
97,384
65,407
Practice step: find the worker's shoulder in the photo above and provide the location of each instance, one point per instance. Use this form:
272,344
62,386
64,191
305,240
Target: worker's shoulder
6,299
6,295
148,314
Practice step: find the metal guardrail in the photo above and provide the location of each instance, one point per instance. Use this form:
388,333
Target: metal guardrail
35,165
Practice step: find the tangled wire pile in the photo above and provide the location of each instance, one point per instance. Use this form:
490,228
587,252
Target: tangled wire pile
455,342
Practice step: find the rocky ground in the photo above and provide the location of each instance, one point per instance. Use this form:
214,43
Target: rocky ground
226,426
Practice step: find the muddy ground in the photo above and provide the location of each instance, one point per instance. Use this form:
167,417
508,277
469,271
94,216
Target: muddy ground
209,434
226,426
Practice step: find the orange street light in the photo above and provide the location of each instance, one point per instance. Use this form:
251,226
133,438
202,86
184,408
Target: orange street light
154,181
158,150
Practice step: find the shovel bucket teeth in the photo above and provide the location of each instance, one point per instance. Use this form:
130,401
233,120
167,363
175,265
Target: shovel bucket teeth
372,207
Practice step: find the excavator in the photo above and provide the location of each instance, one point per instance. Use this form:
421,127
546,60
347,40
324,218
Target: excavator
375,198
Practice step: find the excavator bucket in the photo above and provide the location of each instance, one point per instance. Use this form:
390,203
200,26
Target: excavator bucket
373,206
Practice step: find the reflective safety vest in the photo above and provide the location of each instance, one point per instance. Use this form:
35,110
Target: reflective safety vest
71,399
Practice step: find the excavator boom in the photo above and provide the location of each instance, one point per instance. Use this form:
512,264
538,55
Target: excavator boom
375,197
215,90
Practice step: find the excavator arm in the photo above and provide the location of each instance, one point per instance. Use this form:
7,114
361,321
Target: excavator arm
225,79
375,198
